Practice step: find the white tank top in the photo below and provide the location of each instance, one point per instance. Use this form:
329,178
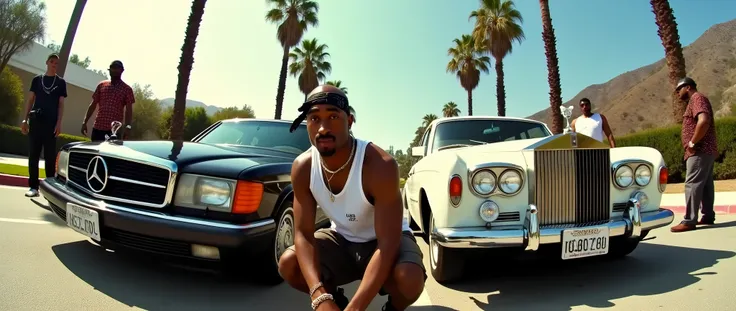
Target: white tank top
591,126
351,214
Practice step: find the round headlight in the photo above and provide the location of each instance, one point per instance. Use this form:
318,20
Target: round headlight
484,182
624,176
642,175
488,211
510,181
642,198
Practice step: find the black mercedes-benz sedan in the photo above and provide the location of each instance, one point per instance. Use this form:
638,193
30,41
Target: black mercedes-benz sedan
224,197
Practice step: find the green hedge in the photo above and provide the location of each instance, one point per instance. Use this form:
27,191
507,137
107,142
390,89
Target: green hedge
13,141
667,140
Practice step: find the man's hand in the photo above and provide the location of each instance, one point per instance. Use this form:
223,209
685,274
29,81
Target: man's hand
328,305
57,129
24,127
84,128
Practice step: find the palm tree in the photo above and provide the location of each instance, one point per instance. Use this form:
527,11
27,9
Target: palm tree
427,120
467,63
185,69
293,18
309,64
665,20
497,26
338,84
450,110
71,32
553,70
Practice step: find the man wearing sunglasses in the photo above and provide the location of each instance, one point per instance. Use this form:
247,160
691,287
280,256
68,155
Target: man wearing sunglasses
113,99
356,184
591,124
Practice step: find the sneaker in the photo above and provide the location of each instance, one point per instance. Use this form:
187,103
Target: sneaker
32,193
340,299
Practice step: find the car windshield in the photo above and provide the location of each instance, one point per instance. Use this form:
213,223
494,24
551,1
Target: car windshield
263,134
476,132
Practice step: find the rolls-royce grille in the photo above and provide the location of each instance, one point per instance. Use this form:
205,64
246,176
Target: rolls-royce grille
572,186
127,181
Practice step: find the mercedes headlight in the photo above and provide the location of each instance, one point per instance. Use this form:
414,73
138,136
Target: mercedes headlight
62,164
488,211
624,176
204,192
484,182
510,181
642,175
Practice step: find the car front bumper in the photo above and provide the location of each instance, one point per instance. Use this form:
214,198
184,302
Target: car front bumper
161,233
531,235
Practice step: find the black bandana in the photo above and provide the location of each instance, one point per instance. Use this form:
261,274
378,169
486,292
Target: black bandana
334,99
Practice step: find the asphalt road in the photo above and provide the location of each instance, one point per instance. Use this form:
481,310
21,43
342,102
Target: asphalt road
46,266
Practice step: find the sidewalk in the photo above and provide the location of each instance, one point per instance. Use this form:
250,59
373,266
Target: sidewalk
725,202
12,180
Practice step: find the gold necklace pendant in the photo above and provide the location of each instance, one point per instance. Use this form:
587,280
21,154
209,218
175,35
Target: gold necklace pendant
332,197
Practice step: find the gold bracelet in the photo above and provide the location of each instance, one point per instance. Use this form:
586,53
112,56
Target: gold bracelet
314,289
319,300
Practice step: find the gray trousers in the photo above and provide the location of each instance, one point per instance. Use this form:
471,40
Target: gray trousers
699,189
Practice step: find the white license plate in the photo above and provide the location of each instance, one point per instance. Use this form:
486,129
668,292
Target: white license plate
584,242
83,220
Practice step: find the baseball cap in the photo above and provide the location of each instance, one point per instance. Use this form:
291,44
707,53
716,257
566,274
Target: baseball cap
685,81
329,98
117,63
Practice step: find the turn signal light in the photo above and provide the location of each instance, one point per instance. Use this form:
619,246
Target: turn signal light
248,197
663,174
456,190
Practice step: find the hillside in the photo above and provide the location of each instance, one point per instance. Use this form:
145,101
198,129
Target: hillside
169,102
640,99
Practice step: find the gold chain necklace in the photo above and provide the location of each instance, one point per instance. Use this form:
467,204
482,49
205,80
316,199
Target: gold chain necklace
333,173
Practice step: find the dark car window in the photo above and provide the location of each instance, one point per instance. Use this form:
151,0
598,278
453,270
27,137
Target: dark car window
476,132
262,134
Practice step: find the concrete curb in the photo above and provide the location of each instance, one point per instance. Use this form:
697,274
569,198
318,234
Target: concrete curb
13,180
720,209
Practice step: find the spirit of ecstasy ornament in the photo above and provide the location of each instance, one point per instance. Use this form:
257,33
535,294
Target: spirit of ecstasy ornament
114,127
567,114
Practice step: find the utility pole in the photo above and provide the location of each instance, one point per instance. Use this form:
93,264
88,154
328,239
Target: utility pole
71,31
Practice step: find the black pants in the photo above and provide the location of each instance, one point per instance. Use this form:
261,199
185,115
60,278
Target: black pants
99,135
41,137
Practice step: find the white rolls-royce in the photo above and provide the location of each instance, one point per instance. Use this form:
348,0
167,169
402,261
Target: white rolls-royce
502,182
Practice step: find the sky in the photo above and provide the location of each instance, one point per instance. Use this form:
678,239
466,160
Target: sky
391,55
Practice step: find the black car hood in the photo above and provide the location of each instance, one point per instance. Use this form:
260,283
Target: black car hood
223,160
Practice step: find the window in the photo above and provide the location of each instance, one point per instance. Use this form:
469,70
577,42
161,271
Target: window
477,132
425,140
263,134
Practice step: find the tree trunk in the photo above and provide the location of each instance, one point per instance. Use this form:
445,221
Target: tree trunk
470,102
665,20
71,32
185,69
500,90
282,84
553,69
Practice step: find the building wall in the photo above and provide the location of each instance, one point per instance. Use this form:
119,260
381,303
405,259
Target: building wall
75,105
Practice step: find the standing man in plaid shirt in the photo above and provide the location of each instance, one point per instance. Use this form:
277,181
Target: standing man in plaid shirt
114,99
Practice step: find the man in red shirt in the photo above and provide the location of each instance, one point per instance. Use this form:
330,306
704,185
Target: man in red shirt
114,99
701,150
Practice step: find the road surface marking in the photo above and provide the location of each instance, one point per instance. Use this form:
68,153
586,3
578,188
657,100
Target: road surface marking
26,221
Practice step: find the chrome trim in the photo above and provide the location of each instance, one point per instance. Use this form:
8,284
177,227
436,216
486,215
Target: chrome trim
448,190
496,169
632,164
633,213
524,236
102,205
131,181
531,231
113,150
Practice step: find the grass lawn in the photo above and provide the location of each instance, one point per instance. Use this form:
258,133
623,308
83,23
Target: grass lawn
721,185
19,170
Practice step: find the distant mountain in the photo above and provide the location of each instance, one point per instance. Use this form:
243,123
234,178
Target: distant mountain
640,99
169,102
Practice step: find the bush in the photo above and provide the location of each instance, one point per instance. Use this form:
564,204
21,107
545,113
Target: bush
11,97
13,141
668,141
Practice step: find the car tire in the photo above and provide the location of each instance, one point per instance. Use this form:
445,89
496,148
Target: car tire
446,264
283,237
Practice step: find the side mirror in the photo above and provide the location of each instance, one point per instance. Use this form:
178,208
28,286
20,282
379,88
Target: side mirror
417,151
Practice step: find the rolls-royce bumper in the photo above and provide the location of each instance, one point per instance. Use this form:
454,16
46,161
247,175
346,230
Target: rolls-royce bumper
531,235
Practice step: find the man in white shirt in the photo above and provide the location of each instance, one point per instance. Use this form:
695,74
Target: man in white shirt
594,125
